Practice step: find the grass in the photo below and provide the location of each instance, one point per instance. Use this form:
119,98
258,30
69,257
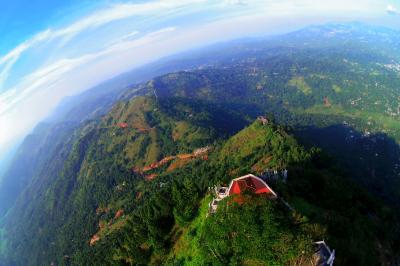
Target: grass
187,246
304,207
336,88
300,84
117,225
253,136
153,150
382,122
179,130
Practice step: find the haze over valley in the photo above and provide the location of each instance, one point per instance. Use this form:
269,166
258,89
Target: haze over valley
200,133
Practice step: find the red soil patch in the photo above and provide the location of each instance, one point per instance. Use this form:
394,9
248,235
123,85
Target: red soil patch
158,164
184,156
326,102
198,153
166,160
94,239
148,168
143,130
119,213
150,177
201,151
122,125
177,164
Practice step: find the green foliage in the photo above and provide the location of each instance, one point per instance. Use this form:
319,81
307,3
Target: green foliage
261,147
256,232
76,190
185,197
164,222
300,84
336,88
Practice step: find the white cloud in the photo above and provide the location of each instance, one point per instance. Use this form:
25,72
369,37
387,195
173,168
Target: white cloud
129,35
12,57
49,75
124,11
5,72
392,10
57,74
95,20
49,84
118,12
65,70
237,2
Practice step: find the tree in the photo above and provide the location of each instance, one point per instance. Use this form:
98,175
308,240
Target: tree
185,196
238,232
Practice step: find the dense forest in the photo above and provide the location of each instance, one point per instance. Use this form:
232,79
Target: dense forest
129,184
140,215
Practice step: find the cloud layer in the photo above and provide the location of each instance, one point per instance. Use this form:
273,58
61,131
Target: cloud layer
392,10
66,60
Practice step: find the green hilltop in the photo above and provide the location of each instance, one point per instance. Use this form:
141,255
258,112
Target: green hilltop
135,216
128,182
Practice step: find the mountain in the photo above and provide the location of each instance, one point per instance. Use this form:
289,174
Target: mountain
121,176
32,155
19,169
327,205
81,176
6,158
337,97
134,213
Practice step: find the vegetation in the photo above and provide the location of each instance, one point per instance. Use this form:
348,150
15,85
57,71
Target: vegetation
253,233
164,220
99,195
300,84
256,232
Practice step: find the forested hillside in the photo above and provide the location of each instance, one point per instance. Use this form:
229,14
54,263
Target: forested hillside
38,146
133,215
96,167
339,98
31,156
128,183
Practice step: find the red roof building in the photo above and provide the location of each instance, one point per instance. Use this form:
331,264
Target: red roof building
250,183
239,185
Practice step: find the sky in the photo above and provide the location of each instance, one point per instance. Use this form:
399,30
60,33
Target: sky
52,49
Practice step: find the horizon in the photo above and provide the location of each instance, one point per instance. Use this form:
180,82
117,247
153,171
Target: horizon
123,121
65,55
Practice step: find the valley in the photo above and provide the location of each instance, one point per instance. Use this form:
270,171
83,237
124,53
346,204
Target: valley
127,181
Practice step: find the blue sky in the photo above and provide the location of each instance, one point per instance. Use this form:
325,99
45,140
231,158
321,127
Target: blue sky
50,49
20,19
